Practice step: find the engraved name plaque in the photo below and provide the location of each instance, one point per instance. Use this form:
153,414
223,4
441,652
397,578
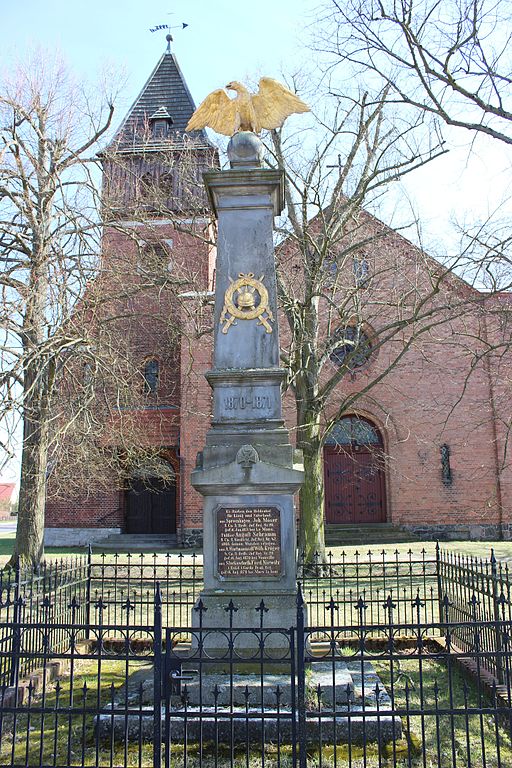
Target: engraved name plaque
248,542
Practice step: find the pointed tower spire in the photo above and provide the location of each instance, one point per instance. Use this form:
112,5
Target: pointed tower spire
152,164
161,111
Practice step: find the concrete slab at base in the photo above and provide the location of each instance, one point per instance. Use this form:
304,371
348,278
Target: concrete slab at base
261,690
76,537
322,729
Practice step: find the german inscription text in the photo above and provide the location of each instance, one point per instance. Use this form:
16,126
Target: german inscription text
248,542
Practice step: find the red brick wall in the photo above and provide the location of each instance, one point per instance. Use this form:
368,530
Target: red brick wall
437,393
150,323
91,510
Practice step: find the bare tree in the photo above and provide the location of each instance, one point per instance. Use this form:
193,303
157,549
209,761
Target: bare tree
112,411
49,241
450,59
357,297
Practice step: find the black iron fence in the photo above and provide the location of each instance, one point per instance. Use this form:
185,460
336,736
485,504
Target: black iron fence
50,594
476,589
120,577
374,576
398,693
402,661
371,575
118,584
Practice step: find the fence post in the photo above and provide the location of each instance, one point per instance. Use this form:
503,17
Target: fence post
440,595
157,681
88,594
301,678
496,600
16,632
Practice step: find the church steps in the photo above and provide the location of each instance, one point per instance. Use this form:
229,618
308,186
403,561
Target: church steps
366,533
136,542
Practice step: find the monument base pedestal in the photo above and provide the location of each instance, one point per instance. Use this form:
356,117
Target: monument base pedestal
243,632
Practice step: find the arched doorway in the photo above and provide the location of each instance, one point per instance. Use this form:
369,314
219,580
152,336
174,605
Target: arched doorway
354,473
151,501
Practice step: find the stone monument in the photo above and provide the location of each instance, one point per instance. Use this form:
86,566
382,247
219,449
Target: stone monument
248,471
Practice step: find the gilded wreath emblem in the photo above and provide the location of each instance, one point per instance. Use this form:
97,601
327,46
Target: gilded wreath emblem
246,299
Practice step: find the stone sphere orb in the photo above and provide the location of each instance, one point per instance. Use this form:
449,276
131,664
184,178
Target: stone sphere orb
245,148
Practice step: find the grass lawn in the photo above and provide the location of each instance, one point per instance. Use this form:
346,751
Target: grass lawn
61,738
502,549
6,545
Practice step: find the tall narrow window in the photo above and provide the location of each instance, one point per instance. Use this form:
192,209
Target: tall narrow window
446,469
146,187
151,375
166,184
361,270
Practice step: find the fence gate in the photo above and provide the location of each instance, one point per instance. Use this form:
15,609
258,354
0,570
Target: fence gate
230,693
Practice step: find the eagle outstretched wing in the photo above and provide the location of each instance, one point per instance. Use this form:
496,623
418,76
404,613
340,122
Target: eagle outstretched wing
274,103
217,111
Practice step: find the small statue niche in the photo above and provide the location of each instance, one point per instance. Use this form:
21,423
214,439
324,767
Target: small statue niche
446,469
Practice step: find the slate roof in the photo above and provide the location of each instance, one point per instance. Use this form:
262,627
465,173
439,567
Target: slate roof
165,92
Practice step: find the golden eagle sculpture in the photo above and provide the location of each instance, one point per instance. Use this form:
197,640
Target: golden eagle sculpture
268,108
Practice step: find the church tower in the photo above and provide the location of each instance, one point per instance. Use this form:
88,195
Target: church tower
152,165
157,265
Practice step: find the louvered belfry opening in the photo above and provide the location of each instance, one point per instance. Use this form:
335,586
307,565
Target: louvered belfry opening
152,166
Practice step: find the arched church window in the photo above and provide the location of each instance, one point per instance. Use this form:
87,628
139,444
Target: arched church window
151,375
354,348
154,261
354,431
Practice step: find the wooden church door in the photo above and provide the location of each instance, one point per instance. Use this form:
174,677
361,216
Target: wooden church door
151,506
354,473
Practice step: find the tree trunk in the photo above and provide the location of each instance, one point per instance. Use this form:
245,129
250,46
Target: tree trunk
311,530
29,545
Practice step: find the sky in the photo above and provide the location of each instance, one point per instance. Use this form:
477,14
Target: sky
224,40
227,40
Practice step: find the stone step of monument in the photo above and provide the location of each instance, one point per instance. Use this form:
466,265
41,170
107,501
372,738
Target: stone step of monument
344,699
126,542
264,690
359,724
362,534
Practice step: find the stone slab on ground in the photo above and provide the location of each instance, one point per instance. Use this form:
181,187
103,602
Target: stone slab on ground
261,689
250,726
233,688
236,710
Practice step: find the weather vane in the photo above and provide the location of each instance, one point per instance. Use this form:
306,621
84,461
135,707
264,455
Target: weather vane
168,27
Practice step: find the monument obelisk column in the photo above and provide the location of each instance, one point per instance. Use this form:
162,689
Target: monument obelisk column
248,471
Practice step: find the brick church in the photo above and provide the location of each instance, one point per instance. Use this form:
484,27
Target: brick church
425,448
